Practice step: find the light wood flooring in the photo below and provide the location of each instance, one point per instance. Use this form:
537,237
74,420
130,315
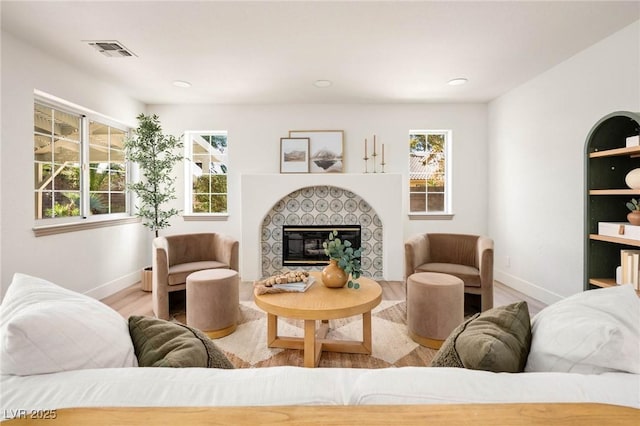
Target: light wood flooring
133,301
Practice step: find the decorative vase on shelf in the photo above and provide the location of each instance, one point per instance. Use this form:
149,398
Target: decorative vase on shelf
634,217
334,276
633,179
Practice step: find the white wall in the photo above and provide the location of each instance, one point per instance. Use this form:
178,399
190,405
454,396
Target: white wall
85,260
254,148
537,134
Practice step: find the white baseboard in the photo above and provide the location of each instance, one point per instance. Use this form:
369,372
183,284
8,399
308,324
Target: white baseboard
114,286
526,287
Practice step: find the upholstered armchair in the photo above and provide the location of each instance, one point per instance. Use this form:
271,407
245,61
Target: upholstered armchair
176,256
468,257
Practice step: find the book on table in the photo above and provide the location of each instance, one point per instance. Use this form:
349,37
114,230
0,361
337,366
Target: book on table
299,286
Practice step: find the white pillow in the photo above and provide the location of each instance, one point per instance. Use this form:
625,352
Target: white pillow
591,332
45,328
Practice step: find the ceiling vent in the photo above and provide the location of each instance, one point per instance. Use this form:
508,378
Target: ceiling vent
111,48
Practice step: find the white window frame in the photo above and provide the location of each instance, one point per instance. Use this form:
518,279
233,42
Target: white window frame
447,214
86,220
189,214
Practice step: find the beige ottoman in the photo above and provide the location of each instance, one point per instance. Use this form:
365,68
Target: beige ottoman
435,306
213,300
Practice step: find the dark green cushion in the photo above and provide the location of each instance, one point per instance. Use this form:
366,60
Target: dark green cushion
495,340
160,343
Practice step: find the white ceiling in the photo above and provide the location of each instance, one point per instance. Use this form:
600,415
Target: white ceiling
272,52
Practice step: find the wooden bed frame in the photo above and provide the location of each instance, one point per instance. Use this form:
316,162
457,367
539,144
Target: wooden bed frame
446,414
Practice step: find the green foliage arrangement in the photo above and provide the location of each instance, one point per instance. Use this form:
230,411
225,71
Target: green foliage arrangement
347,257
633,205
156,157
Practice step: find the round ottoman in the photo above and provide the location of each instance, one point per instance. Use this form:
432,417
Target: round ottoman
213,300
435,306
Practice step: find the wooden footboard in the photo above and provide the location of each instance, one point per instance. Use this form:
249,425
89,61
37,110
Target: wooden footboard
450,414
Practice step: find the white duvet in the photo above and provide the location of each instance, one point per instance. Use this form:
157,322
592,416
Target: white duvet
152,387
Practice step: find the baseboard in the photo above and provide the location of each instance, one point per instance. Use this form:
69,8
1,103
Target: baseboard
114,286
530,289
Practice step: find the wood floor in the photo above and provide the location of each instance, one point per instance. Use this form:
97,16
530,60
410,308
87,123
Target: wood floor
134,301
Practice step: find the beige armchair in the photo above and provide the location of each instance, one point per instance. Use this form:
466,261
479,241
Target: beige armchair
468,257
176,256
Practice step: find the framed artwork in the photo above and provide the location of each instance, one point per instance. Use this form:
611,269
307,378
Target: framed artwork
325,149
294,155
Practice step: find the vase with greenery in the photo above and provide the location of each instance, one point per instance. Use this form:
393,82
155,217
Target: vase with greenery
634,216
343,256
156,155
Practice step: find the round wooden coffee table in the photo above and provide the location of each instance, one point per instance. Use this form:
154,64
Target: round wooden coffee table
320,303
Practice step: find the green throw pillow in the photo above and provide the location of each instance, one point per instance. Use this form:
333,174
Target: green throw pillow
495,340
160,343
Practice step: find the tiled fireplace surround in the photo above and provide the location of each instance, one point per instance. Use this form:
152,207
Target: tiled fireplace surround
373,201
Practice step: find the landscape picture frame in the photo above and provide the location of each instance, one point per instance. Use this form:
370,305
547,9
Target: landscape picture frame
294,155
326,149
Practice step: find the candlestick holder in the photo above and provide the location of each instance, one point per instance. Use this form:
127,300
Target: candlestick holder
366,160
374,155
382,166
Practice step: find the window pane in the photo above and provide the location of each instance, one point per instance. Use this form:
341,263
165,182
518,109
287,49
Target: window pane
42,120
64,150
66,125
201,203
436,202
43,203
98,134
117,138
417,203
118,203
98,177
116,155
65,204
219,184
201,184
118,181
418,185
42,148
98,153
42,172
66,177
98,202
218,204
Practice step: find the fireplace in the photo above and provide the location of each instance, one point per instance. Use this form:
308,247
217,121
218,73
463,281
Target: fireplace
302,244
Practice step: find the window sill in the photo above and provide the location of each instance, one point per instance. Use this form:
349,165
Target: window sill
205,217
42,231
431,216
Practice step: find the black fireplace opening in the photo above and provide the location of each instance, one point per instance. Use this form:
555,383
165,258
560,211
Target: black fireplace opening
302,244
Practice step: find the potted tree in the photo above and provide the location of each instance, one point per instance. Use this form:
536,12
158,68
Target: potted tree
156,155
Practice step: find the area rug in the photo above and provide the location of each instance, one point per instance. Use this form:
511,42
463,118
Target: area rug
247,346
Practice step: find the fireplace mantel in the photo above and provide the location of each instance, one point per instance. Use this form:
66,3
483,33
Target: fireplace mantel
383,191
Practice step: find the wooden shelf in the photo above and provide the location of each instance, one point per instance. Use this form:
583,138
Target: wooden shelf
606,282
631,151
614,192
616,240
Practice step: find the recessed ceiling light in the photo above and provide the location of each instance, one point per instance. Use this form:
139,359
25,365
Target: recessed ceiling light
181,83
457,81
322,83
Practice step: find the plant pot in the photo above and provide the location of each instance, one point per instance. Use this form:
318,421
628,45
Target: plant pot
333,276
634,217
146,280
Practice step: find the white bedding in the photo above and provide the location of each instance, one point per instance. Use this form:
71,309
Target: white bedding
136,387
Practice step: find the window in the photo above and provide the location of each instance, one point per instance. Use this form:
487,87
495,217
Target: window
429,171
206,171
79,165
